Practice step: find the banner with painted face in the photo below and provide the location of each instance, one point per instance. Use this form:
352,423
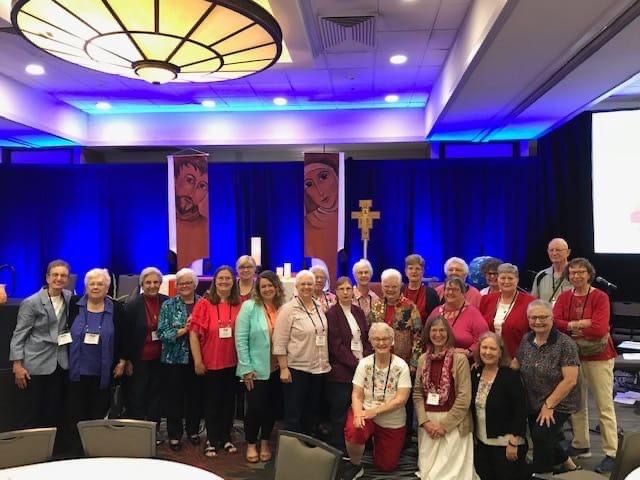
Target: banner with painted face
188,177
324,208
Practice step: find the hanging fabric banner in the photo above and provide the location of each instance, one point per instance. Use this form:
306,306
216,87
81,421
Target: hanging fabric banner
188,180
324,208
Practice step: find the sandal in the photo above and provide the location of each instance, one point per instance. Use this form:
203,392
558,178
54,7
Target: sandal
209,450
194,439
230,448
253,458
265,457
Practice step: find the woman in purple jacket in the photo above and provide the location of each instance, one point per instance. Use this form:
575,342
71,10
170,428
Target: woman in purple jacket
348,343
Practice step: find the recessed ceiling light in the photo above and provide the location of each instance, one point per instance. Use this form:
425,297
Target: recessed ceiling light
208,103
34,69
391,98
280,101
103,105
398,59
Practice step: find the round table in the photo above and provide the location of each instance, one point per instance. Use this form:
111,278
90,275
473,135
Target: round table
635,475
108,469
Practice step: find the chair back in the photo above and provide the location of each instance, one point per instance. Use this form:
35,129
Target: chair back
628,456
118,438
23,447
302,456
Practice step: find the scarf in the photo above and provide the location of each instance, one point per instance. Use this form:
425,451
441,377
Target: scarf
443,389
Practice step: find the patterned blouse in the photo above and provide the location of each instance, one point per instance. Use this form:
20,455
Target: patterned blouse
407,325
173,316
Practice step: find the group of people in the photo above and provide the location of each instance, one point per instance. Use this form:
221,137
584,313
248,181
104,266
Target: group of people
489,373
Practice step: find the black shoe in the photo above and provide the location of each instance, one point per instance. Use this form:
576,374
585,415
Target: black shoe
351,471
557,470
176,447
194,439
606,465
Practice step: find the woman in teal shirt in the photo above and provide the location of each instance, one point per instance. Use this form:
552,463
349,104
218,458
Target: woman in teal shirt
182,384
256,365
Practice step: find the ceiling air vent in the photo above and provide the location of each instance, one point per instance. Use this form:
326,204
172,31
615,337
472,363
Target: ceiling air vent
354,33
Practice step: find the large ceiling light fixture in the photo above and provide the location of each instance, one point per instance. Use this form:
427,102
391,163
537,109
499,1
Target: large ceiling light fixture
156,40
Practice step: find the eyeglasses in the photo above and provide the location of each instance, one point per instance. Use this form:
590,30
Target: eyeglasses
184,284
381,339
492,274
452,289
541,318
246,267
573,273
557,250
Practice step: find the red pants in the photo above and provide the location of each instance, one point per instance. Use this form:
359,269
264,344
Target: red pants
387,442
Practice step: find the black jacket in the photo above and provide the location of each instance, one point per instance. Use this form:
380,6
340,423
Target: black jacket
137,324
506,408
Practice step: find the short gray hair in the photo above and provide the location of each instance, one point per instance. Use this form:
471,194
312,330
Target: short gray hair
390,273
383,328
304,273
459,260
245,258
508,268
94,272
362,263
538,302
149,271
183,272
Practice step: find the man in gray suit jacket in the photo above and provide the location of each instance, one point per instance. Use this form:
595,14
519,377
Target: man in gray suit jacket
39,351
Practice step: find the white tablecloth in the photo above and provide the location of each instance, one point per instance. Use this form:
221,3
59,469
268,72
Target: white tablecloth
635,475
108,469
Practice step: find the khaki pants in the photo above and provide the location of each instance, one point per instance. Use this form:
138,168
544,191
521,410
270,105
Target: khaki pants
598,377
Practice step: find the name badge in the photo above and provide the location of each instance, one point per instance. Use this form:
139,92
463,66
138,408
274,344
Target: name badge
321,340
154,336
91,338
64,339
225,332
433,399
356,345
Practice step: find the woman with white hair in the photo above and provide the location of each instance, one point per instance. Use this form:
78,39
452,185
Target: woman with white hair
246,270
381,388
363,296
99,348
301,347
142,313
321,292
182,386
457,267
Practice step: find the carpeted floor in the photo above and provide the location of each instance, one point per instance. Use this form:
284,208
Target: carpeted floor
235,467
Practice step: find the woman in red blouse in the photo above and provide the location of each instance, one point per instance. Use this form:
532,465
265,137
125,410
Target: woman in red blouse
583,313
214,355
506,310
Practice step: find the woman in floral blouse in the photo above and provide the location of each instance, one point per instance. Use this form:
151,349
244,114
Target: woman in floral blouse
181,380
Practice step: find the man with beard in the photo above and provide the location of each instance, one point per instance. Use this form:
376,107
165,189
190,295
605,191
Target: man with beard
191,191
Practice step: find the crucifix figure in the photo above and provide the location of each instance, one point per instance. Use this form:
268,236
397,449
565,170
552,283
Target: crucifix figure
365,219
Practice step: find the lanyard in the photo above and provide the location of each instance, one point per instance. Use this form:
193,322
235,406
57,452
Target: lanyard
457,316
553,284
513,300
311,317
373,379
64,309
218,312
584,306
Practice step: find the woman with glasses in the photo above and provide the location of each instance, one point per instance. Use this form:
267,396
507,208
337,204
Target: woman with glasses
381,387
182,386
584,313
489,271
363,296
505,311
300,344
257,366
321,293
548,363
211,336
441,397
465,320
246,270
348,344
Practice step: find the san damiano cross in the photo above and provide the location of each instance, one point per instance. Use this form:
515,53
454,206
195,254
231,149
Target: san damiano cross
365,219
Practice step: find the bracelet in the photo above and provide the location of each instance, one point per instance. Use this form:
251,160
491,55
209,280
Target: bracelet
545,404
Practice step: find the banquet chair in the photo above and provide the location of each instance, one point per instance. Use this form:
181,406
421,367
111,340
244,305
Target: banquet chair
627,460
118,438
302,456
23,447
